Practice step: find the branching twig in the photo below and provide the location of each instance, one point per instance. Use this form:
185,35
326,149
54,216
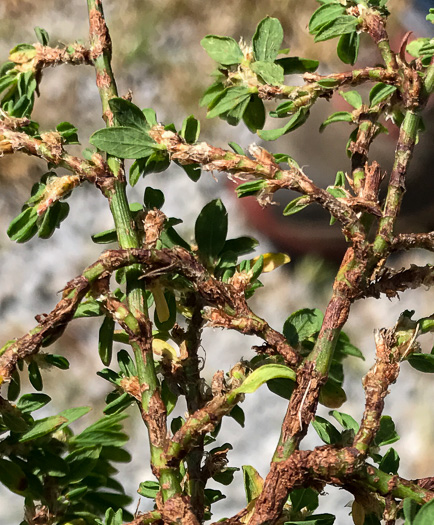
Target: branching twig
376,384
390,282
262,166
407,241
50,149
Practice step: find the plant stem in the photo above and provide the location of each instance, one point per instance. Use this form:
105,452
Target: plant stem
127,233
396,189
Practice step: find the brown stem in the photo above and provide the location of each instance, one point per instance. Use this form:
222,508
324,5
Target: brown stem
390,282
407,241
376,384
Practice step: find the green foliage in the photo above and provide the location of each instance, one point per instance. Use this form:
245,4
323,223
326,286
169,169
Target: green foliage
170,290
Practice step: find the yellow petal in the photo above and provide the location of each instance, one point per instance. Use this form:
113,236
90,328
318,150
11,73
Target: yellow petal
273,261
160,303
163,348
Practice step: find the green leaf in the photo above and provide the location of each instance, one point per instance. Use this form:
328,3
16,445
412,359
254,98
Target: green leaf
117,403
42,427
124,142
50,463
422,362
240,245
126,364
68,132
297,65
410,508
340,179
348,47
52,218
150,116
283,109
42,35
236,147
212,496
225,476
426,324
296,205
323,15
267,39
57,360
116,454
227,100
105,237
222,49
23,227
234,115
261,375
339,116
237,413
386,434
12,476
345,420
328,83
426,514
302,325
99,437
227,261
294,122
253,116
153,198
31,402
170,238
326,431
337,27
127,114
105,340
76,493
253,482
270,72
344,348
81,462
304,498
332,395
337,191
190,130
156,163
415,47
89,308
149,489
193,171
168,397
252,187
14,386
211,93
35,376
353,98
14,421
281,387
72,414
211,228
380,92
390,462
7,81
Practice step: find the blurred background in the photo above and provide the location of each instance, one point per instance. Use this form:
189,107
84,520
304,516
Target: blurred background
157,55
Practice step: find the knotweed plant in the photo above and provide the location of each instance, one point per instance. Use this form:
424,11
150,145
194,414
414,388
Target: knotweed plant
156,293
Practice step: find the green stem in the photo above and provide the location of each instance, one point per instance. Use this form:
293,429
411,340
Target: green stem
124,223
396,189
388,55
385,484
